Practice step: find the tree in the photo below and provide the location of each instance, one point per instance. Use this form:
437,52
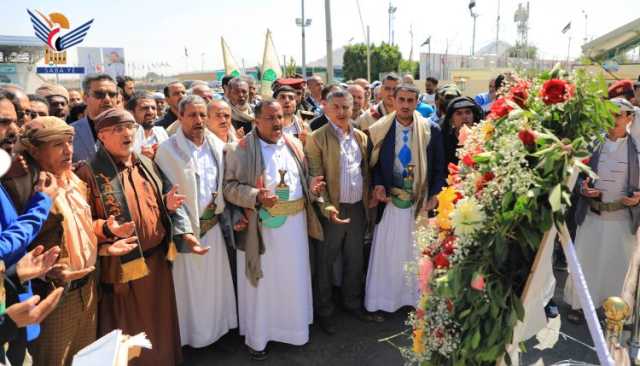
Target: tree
522,51
384,58
410,67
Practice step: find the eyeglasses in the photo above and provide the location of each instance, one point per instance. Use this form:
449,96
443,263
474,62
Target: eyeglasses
102,94
120,128
7,120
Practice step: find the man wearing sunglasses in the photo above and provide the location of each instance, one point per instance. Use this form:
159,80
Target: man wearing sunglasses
100,93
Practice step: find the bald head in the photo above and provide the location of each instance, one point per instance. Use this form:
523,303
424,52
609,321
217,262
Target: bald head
219,118
23,107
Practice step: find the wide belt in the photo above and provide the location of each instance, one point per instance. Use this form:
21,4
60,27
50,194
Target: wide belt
286,208
401,198
606,206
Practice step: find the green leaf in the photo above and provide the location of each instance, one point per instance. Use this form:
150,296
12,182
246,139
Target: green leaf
555,198
518,307
475,341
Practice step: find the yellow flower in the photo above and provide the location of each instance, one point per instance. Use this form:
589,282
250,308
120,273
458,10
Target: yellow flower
487,130
467,217
418,345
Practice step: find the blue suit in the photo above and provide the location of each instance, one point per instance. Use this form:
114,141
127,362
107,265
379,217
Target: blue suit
17,232
84,144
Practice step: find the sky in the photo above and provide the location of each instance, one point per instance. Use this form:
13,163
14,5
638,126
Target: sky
158,31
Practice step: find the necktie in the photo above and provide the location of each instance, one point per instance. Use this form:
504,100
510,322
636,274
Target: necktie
405,152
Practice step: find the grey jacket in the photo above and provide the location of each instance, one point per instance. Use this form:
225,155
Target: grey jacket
633,175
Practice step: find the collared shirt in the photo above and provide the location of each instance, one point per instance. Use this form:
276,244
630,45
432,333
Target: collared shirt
158,135
277,157
398,168
294,128
80,242
206,173
350,165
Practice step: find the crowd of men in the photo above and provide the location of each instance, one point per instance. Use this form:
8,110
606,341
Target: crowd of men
186,213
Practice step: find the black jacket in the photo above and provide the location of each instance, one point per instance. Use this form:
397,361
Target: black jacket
167,120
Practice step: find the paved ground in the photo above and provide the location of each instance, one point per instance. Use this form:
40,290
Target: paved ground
359,343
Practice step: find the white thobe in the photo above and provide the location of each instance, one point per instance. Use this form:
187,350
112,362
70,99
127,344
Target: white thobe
205,296
389,287
280,308
604,243
158,135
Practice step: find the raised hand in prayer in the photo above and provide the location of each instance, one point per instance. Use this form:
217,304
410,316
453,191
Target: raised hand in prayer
241,224
333,216
62,272
33,311
631,201
36,263
380,195
47,184
317,184
120,230
174,200
266,198
588,191
118,248
196,248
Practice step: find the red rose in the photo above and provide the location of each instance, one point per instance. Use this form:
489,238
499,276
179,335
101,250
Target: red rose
483,179
468,161
499,109
441,261
488,176
556,91
449,245
520,93
527,137
459,196
586,161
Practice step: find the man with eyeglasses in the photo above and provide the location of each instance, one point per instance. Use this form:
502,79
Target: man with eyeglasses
39,106
58,98
137,288
21,103
385,106
100,93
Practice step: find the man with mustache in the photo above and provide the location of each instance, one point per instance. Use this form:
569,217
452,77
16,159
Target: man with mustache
267,175
100,94
385,107
138,292
238,97
47,145
293,124
192,158
148,136
58,98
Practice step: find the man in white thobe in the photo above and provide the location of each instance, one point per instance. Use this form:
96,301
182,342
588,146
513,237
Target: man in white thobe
400,179
204,288
266,174
148,136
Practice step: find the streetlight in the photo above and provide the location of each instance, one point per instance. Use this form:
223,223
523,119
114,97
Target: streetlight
392,10
472,4
303,23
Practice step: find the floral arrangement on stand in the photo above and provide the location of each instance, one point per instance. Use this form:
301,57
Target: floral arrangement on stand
506,192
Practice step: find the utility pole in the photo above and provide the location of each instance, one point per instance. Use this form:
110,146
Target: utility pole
497,31
392,10
585,26
472,4
327,20
303,23
411,36
202,61
368,55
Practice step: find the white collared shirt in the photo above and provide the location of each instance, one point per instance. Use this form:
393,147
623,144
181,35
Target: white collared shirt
350,166
158,135
278,157
206,172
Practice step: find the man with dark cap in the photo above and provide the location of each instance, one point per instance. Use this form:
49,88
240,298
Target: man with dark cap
630,91
303,109
58,98
444,95
293,124
138,293
462,111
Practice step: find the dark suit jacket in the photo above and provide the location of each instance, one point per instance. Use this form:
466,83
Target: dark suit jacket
318,122
167,120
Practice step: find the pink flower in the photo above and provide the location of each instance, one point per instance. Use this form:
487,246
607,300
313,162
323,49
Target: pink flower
463,135
426,268
477,283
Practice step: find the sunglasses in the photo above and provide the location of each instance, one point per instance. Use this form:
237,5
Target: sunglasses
103,94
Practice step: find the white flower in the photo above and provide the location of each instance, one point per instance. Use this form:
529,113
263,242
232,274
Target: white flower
467,217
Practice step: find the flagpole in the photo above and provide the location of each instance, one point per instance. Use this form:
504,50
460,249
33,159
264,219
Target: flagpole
568,51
